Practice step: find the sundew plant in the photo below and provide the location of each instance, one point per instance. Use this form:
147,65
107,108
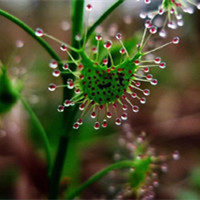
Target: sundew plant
99,81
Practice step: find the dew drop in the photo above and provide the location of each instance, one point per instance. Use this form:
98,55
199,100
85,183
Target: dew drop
154,82
160,11
175,40
122,51
143,100
118,36
52,87
108,44
198,6
96,125
146,92
93,115
124,116
155,183
39,32
77,91
135,109
162,65
164,168
172,25
153,30
65,25
53,64
82,107
67,103
56,73
104,124
143,15
109,115
149,76
98,37
118,121
176,155
89,7
124,107
163,33
19,43
180,22
133,95
105,61
157,60
148,23
147,1
78,37
80,122
76,125
63,47
60,108
65,66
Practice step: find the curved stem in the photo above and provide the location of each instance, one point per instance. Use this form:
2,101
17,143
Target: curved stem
102,17
41,132
77,25
99,175
31,32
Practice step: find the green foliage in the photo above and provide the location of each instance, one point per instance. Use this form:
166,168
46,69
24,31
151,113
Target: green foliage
8,94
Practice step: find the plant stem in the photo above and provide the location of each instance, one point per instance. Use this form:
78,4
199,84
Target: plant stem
99,175
77,27
102,17
31,32
41,132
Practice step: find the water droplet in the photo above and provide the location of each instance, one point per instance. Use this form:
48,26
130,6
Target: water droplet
118,121
108,44
175,40
143,15
60,108
78,37
133,95
77,91
105,61
172,25
147,1
155,183
162,65
93,115
67,103
65,66
154,82
148,23
149,76
63,47
104,124
80,122
176,155
96,125
198,6
76,126
52,87
164,168
65,25
160,11
153,30
118,36
180,22
124,107
122,51
98,37
19,43
146,92
124,116
89,7
82,107
56,73
135,109
137,62
157,60
143,100
163,33
39,32
53,64
108,115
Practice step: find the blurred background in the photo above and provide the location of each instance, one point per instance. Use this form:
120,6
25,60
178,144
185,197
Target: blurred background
171,116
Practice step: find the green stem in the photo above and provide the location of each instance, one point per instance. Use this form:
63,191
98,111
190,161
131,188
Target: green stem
99,175
103,17
40,131
77,27
31,32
